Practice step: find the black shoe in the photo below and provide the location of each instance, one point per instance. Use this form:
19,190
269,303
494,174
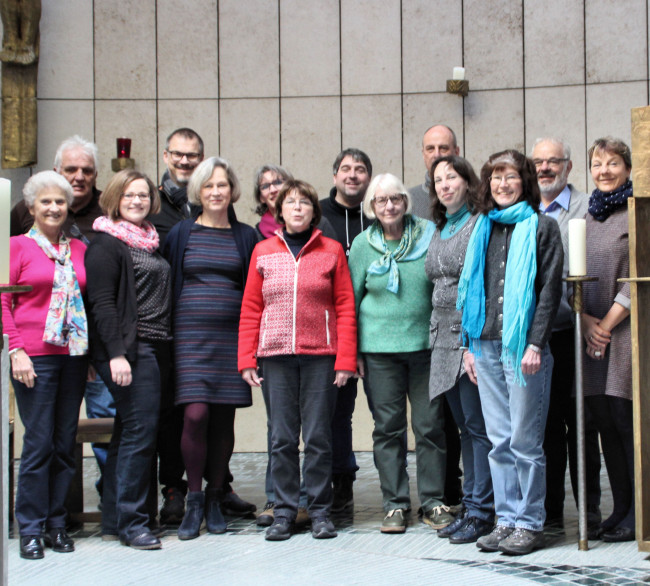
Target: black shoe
455,525
173,508
343,495
191,525
472,530
618,535
281,529
31,548
322,528
233,504
58,540
143,541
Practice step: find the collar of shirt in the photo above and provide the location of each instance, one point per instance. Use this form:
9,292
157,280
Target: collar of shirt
555,207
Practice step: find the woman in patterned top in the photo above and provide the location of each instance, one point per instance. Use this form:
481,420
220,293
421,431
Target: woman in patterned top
129,298
454,189
48,342
209,257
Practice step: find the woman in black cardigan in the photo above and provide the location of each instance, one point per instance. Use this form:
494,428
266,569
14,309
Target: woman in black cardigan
130,338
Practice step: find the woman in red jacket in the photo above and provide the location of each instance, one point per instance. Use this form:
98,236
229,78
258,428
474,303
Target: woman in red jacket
298,317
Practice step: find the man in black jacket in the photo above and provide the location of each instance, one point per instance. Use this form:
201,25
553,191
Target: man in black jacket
352,173
183,152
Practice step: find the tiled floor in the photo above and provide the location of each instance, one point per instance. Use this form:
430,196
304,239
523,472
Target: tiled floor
359,555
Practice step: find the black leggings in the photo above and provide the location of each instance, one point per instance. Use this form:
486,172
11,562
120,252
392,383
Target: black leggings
613,418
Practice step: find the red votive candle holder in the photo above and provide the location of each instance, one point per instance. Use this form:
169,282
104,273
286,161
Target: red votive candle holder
123,148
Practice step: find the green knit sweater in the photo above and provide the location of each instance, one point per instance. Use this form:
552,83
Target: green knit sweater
389,322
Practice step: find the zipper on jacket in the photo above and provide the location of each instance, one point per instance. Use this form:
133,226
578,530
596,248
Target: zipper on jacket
327,325
295,300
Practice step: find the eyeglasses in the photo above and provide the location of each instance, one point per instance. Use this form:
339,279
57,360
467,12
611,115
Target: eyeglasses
291,202
552,162
132,196
508,179
395,199
277,183
177,156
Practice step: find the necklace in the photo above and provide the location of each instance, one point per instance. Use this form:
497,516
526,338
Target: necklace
457,218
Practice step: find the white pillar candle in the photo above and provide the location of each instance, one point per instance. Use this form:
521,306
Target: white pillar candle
578,247
459,73
5,211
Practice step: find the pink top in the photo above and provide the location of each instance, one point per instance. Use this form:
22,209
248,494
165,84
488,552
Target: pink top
24,324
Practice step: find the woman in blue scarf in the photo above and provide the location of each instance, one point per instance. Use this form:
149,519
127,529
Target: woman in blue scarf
509,292
393,301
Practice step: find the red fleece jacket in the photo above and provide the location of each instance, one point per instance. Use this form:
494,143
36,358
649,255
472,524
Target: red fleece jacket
301,305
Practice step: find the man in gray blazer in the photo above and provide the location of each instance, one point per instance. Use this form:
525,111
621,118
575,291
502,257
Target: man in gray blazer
562,201
438,141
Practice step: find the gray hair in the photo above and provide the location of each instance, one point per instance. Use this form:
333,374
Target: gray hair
202,174
46,180
387,182
278,170
76,142
566,149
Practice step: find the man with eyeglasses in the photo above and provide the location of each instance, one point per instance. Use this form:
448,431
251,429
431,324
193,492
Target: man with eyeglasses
76,160
438,141
183,152
562,201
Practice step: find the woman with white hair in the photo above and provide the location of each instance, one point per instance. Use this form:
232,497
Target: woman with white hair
393,301
48,343
209,257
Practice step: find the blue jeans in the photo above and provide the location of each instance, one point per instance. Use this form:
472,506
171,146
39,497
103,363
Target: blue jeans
301,396
49,412
99,403
465,404
515,419
133,445
394,377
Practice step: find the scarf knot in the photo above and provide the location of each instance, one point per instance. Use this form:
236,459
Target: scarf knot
142,237
603,204
414,243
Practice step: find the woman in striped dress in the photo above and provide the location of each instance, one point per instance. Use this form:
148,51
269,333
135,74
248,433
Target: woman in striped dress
209,257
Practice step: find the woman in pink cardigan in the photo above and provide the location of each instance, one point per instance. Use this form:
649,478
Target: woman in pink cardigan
48,343
298,317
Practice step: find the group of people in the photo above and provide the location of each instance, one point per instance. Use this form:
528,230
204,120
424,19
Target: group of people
449,294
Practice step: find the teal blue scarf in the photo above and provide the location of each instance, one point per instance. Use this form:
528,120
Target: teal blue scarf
414,244
519,290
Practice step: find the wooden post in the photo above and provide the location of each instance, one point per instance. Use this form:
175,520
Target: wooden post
639,223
